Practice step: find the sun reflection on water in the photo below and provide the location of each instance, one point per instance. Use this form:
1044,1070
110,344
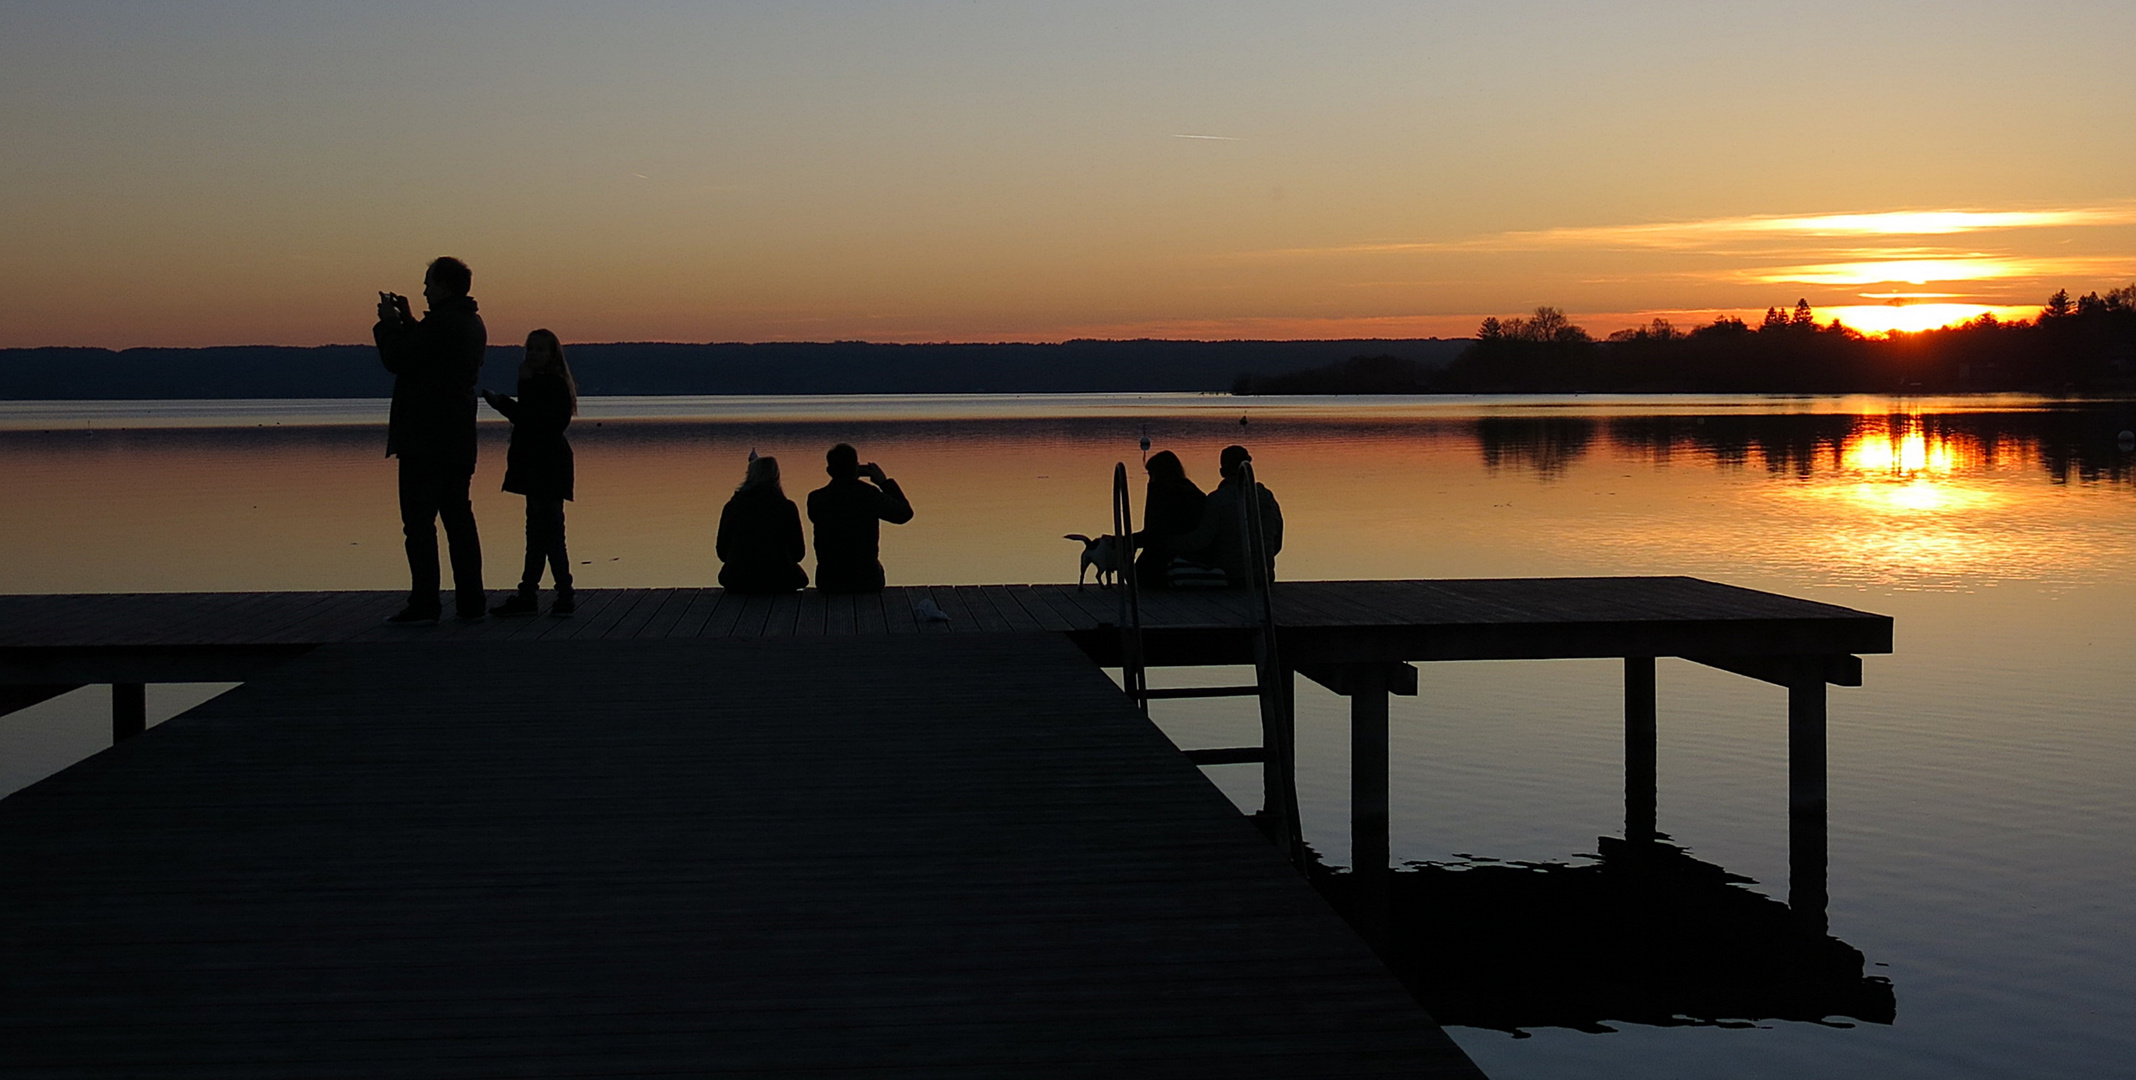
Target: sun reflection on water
1899,464
1903,450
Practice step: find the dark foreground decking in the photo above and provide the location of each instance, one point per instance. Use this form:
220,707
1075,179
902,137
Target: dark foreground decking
688,833
943,856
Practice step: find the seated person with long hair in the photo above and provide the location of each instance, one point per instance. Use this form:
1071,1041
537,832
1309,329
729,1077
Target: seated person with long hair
1172,505
760,535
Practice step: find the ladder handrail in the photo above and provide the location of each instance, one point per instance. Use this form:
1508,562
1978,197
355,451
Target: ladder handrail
1278,733
1277,738
1134,675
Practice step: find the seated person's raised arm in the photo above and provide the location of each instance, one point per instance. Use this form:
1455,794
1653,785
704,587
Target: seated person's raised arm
892,506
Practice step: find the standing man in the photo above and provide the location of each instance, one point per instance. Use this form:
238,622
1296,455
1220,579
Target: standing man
847,513
435,362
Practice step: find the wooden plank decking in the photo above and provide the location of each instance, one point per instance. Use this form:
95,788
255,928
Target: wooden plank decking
881,855
76,639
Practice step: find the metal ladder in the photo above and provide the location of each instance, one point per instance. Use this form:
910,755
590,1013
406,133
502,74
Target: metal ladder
1272,684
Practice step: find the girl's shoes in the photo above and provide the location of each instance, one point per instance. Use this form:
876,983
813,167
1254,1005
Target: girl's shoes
522,603
564,605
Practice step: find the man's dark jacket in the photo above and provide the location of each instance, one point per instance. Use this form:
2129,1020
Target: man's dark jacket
848,514
435,363
1220,539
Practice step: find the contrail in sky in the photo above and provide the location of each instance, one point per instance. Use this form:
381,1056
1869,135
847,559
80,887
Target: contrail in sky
1223,138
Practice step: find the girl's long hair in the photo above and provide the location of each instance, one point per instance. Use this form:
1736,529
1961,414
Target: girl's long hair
763,473
545,356
1165,465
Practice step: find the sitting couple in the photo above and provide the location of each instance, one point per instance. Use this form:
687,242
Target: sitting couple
759,543
1193,539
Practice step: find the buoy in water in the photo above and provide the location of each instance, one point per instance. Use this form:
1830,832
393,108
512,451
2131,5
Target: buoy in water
2128,440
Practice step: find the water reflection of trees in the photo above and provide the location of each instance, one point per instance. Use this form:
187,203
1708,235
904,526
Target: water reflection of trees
1546,445
1785,444
2080,445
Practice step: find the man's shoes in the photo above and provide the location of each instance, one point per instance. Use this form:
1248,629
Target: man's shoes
520,605
414,616
564,605
471,606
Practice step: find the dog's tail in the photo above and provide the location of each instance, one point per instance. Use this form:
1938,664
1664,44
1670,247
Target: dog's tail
1077,536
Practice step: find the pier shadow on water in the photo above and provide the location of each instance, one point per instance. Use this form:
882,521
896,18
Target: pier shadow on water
1643,934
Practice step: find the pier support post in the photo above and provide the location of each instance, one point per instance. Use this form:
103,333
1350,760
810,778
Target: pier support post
1368,802
129,710
1639,743
1806,889
1368,686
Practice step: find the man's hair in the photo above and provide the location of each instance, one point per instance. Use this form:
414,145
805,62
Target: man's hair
450,274
1232,457
842,462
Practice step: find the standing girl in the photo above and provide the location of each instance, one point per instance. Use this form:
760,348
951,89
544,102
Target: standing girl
539,467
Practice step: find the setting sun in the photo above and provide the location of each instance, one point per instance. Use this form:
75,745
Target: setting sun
1913,318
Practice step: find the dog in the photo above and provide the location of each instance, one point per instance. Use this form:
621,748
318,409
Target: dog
1102,553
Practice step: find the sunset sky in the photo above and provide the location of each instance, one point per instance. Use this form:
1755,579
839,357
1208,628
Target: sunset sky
180,173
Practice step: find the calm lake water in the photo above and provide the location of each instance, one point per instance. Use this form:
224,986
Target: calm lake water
1983,830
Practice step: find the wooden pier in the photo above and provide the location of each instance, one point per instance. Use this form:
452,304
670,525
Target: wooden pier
688,832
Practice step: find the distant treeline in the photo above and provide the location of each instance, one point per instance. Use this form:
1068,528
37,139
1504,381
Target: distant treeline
2077,345
843,367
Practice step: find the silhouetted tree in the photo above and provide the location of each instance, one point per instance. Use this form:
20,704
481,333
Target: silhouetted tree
1544,351
1658,330
1547,326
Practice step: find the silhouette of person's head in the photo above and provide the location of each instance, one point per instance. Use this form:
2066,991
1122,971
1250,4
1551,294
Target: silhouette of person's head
1228,463
763,473
447,279
842,462
545,356
1165,465
544,352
